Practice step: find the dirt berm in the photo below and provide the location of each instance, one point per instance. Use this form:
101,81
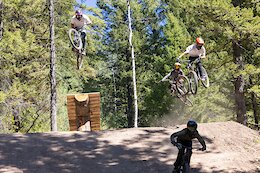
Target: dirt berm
231,147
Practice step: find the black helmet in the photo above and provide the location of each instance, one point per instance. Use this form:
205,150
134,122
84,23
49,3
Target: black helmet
192,125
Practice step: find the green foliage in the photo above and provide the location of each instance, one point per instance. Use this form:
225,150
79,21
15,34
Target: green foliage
162,29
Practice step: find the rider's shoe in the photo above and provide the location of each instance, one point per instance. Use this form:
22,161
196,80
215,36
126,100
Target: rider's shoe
83,52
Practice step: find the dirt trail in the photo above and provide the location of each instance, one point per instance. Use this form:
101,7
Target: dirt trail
231,148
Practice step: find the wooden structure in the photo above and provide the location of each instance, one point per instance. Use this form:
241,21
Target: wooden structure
84,111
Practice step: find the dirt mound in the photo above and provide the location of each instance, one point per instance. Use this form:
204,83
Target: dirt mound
231,147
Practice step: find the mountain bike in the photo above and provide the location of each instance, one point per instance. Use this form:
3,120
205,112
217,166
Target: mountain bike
180,88
194,75
205,82
75,39
185,165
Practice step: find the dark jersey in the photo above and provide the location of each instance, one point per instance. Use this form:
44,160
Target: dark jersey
175,73
185,136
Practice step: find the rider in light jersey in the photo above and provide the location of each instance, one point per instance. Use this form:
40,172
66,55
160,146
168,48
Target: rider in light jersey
195,51
77,22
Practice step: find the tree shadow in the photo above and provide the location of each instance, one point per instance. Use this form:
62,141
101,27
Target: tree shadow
120,151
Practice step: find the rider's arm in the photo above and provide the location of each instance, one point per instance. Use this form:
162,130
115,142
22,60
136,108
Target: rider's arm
72,23
184,53
201,140
203,55
87,19
165,77
175,135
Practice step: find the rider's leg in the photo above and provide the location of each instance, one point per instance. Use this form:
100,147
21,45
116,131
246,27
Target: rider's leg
189,153
199,64
83,38
178,161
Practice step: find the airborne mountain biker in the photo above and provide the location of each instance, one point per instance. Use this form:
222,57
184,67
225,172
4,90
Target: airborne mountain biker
184,138
176,72
77,22
195,51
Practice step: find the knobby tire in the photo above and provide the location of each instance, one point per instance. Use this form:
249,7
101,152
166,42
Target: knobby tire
193,80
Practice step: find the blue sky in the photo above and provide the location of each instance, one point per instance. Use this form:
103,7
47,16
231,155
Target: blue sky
91,3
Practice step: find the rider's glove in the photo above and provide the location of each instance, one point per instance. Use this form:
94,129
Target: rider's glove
178,59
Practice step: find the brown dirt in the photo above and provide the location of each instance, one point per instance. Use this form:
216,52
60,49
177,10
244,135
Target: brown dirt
231,148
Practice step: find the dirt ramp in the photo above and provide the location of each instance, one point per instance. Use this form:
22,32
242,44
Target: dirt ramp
231,148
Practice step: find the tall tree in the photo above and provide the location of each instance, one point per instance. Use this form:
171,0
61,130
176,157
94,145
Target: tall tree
1,19
53,101
133,62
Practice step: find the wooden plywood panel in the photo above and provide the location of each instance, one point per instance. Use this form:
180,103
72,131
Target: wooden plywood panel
82,112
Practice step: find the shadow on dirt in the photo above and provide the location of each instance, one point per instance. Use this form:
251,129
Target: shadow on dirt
94,152
78,152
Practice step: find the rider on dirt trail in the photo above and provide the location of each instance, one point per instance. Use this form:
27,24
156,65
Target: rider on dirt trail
184,138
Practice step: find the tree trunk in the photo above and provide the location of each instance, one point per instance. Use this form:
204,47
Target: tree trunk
53,101
253,98
133,63
1,20
239,85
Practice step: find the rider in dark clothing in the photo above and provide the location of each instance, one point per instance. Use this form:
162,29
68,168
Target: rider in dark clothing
184,138
173,75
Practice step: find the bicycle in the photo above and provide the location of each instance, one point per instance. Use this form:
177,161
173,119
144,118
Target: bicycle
194,75
180,89
76,41
184,167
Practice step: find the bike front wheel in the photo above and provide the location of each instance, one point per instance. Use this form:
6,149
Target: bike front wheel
182,85
205,82
75,39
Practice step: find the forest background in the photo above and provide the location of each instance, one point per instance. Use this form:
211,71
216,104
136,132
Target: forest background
162,29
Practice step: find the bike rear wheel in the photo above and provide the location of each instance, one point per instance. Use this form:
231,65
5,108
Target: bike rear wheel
75,38
193,80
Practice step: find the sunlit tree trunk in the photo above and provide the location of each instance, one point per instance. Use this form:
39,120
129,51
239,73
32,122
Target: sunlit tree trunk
133,63
53,101
1,19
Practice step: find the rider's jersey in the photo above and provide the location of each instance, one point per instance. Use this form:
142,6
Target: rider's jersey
173,74
176,73
185,136
80,23
194,52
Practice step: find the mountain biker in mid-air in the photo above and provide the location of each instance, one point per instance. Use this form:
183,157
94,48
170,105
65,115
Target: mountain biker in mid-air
195,51
184,138
78,21
176,72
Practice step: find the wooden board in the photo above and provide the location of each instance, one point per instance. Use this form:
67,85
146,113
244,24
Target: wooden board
85,107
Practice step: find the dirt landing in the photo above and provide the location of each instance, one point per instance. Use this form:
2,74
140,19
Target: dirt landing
231,148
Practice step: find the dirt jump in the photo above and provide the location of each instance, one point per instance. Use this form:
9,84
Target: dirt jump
231,148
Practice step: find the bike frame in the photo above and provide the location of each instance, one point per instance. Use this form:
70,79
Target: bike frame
185,165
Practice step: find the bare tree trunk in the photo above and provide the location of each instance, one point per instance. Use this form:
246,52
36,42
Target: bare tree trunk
239,85
53,102
1,20
133,63
253,98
